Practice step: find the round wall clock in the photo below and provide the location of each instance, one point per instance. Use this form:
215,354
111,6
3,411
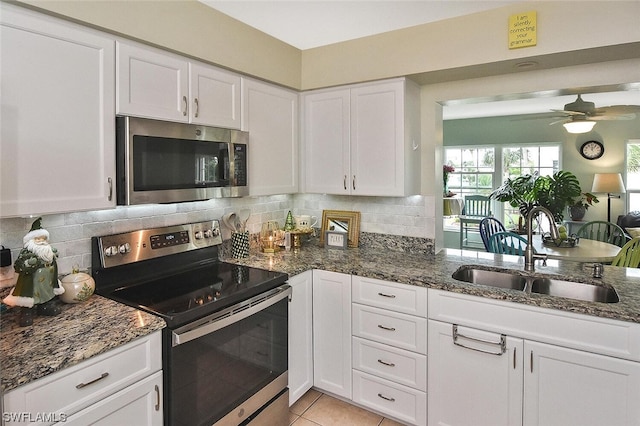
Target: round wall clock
592,150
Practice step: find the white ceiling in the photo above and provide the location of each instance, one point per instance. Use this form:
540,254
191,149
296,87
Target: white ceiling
310,23
307,24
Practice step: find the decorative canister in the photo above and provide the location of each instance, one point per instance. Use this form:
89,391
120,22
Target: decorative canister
78,287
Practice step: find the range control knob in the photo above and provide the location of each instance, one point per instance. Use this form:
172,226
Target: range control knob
208,233
215,232
199,235
111,251
124,248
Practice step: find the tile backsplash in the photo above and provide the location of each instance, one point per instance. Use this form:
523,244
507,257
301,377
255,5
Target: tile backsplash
70,233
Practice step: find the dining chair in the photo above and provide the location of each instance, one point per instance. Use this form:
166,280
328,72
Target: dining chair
507,243
629,255
489,226
606,232
476,208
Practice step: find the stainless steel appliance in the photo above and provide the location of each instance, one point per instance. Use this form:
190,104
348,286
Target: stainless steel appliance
165,162
225,344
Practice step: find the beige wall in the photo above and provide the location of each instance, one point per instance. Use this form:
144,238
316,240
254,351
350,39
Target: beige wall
475,39
474,44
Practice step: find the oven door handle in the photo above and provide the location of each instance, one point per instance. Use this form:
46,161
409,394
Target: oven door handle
229,315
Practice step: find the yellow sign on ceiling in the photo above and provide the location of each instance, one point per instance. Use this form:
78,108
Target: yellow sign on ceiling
523,30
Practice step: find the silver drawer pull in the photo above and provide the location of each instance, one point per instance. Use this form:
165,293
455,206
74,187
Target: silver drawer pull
387,398
501,345
81,385
391,296
388,364
157,407
386,328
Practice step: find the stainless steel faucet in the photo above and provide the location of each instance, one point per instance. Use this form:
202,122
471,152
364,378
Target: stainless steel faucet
530,256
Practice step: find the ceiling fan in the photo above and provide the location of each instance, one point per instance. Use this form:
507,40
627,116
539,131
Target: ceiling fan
580,116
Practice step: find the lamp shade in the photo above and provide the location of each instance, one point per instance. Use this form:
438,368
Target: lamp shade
608,182
579,126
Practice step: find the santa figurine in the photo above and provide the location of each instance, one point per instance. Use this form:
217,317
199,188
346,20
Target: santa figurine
37,282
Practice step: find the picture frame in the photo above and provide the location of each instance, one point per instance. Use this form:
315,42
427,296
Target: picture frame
344,221
334,239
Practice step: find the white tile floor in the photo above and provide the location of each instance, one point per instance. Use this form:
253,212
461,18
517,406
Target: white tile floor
317,409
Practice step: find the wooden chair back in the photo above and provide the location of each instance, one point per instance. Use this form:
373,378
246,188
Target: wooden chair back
606,232
629,255
488,227
507,243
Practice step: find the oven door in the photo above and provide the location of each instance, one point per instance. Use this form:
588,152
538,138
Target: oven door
226,368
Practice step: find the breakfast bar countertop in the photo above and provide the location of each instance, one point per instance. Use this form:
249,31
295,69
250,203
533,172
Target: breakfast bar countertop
435,271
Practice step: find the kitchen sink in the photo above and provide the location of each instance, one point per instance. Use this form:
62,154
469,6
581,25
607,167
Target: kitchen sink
509,279
499,279
572,290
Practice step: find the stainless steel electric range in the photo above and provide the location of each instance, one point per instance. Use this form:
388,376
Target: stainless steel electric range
225,344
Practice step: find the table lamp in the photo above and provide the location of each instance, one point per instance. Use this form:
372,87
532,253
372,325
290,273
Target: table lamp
611,183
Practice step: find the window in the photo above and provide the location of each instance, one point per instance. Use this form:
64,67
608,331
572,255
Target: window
481,169
633,175
475,167
526,160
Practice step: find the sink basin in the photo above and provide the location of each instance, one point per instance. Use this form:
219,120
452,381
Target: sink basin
491,278
571,290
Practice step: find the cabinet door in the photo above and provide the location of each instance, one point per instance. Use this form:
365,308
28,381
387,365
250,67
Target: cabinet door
270,115
470,382
139,404
332,332
57,139
570,387
151,83
377,141
214,96
300,336
326,142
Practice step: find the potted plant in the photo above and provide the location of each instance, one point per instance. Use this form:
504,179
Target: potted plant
555,192
580,205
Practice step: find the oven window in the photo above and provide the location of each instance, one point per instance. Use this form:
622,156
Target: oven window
164,163
212,375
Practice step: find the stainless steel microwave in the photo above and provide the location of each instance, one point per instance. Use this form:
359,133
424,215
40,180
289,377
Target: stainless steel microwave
166,162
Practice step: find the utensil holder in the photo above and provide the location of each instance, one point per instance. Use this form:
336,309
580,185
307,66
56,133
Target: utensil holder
240,244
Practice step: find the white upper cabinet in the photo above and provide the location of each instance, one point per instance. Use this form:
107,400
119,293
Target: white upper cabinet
270,115
363,139
155,84
57,141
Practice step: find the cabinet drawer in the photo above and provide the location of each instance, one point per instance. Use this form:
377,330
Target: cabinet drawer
400,366
403,298
77,387
393,328
394,400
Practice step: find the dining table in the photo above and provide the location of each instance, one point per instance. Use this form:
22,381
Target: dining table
584,251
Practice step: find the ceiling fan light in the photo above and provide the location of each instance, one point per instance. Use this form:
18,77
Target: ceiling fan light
582,126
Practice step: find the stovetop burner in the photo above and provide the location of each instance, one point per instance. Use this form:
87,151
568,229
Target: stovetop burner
182,281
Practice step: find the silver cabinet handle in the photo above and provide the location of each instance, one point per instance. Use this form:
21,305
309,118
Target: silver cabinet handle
386,397
514,358
391,296
386,328
388,364
157,407
354,182
344,182
502,344
531,361
186,106
102,376
195,101
110,182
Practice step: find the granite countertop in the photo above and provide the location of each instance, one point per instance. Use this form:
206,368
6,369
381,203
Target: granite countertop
99,324
434,271
79,332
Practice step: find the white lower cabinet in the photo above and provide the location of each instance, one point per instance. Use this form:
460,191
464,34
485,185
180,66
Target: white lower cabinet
488,377
300,335
121,386
332,332
389,328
